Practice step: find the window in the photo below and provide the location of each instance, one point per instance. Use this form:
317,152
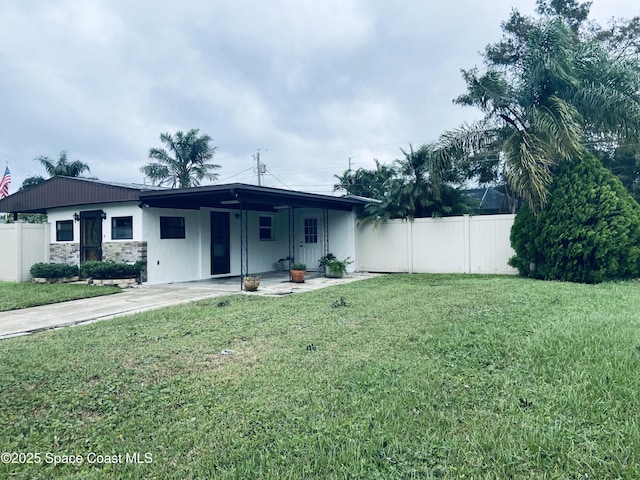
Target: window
121,228
172,227
64,231
310,230
266,228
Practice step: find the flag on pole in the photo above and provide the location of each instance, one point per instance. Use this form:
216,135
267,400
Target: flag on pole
4,184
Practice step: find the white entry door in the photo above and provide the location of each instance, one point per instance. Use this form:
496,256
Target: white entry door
309,241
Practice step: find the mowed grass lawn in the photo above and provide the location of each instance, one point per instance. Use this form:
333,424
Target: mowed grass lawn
15,295
401,376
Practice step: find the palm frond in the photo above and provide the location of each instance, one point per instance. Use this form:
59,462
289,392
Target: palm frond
528,167
559,124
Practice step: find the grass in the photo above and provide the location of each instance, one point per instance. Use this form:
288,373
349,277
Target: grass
23,295
401,376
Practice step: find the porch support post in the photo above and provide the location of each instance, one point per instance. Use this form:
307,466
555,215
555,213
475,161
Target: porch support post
244,243
292,238
325,224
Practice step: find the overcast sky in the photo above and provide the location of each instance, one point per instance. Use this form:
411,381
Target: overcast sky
307,83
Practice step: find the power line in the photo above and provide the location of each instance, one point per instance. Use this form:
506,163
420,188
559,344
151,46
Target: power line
236,174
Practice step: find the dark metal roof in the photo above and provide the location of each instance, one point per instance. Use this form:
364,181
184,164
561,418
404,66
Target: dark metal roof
487,200
67,191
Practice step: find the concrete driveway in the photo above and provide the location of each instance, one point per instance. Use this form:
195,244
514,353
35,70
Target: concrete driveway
150,297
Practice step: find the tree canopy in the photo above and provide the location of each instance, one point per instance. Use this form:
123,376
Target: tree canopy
407,189
60,167
184,162
549,91
588,231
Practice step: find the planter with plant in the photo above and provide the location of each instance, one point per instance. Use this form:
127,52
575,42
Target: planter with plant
111,273
334,268
281,261
54,273
297,272
251,282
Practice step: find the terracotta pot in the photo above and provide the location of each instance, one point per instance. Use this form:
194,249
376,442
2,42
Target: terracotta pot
251,284
297,276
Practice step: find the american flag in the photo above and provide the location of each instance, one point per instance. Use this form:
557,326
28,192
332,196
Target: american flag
4,184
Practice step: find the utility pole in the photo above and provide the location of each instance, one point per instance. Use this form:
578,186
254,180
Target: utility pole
261,168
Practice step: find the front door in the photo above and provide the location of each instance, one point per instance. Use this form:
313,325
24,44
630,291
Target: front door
309,242
220,251
91,235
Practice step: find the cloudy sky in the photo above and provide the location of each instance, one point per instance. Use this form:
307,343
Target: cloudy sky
307,83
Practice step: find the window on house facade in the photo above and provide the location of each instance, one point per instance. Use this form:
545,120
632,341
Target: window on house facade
310,230
266,228
64,231
121,228
172,227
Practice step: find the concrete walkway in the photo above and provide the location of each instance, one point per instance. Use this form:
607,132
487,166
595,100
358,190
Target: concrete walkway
150,297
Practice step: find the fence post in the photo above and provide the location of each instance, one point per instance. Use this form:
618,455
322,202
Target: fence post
19,258
47,239
467,242
410,245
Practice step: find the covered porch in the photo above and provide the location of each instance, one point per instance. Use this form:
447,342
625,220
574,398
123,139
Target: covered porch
246,230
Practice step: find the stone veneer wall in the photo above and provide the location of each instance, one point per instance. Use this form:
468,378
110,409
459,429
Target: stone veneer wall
68,253
121,252
126,252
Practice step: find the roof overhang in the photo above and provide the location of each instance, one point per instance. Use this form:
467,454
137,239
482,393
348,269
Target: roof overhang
251,197
60,192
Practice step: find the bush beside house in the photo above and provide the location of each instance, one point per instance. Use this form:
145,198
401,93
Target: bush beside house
98,273
110,270
111,273
587,232
53,272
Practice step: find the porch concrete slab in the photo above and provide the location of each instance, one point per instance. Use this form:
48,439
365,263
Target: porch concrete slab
150,297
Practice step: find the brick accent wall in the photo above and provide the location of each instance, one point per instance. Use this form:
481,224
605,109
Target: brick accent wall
68,253
121,252
126,252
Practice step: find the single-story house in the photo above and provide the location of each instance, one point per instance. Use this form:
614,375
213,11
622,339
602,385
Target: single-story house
196,233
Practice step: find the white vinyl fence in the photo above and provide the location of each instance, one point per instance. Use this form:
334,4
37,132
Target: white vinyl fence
22,245
466,244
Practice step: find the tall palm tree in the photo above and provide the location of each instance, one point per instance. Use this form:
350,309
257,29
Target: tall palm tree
63,167
184,162
542,110
60,167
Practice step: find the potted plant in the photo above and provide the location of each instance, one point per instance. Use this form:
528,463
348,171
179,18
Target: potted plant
297,272
280,262
334,268
251,282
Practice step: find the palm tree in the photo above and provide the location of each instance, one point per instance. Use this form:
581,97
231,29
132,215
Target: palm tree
412,191
184,162
365,183
62,167
557,94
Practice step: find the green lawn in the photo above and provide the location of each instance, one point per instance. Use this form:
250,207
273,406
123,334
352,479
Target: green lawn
401,376
22,295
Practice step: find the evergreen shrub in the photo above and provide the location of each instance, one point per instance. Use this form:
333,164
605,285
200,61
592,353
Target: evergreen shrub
587,232
53,270
110,270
